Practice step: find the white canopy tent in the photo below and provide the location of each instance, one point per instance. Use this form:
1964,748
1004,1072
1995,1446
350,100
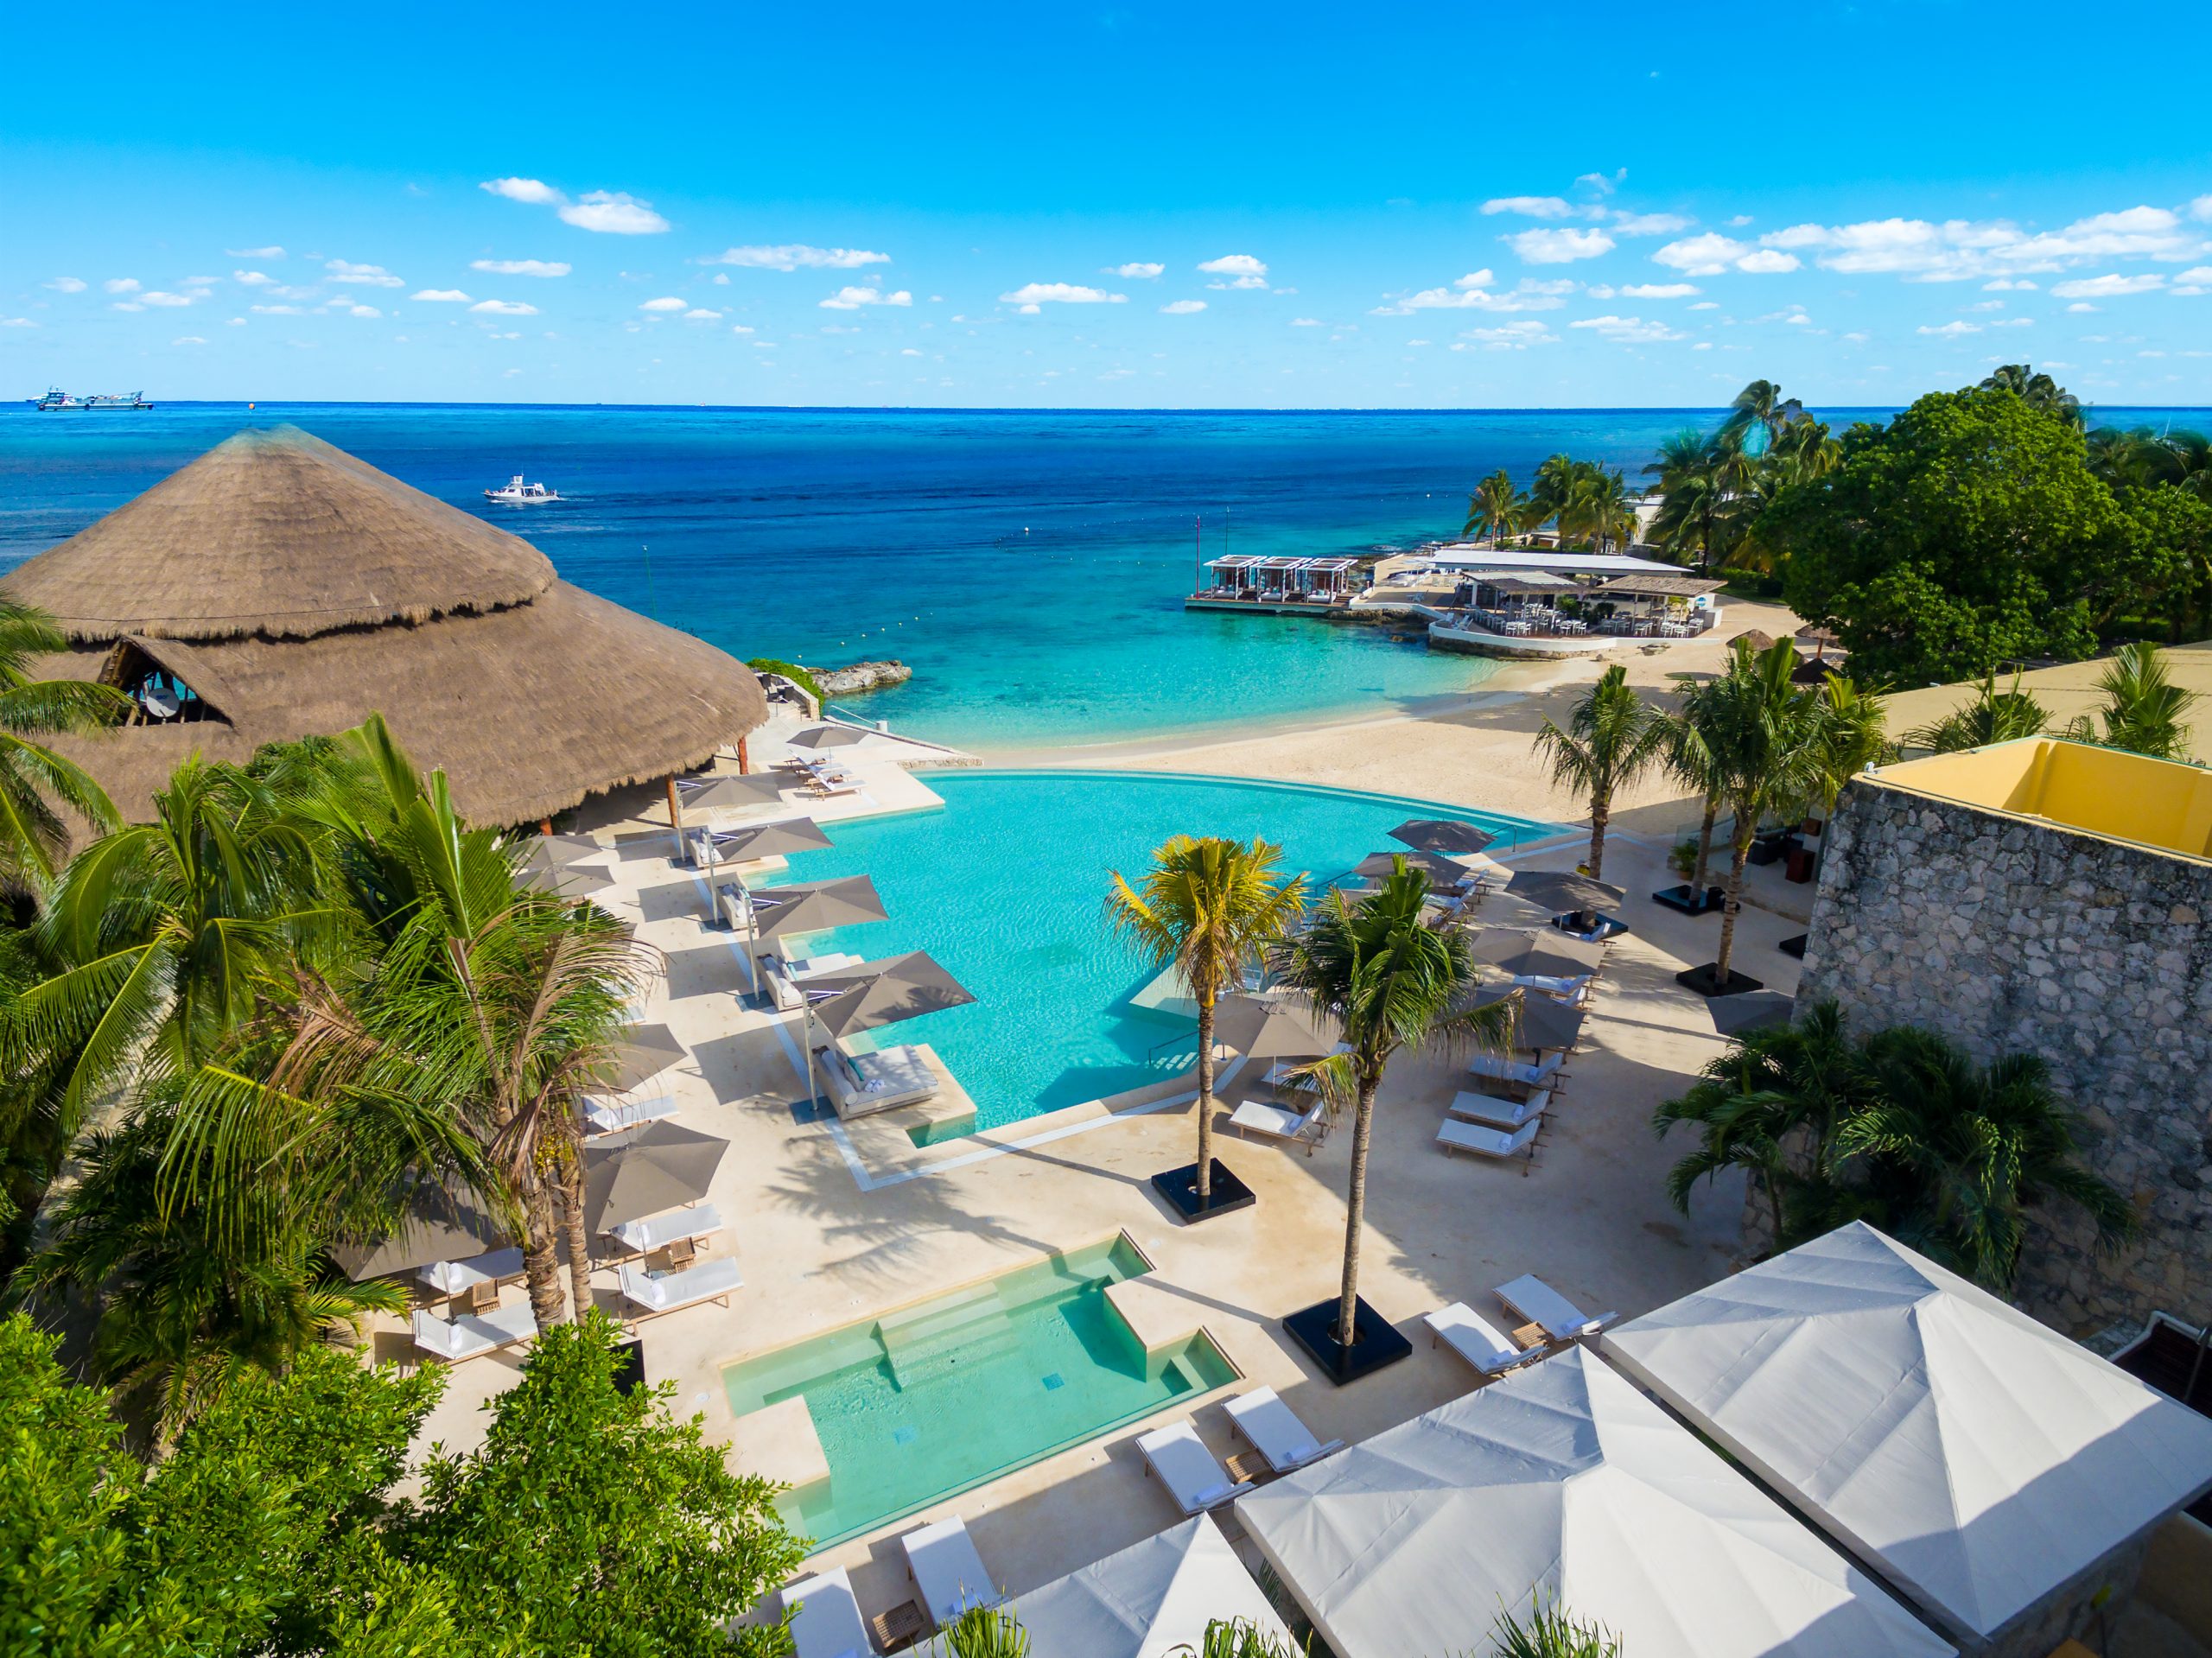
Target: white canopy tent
1562,1485
1148,1600
1976,1458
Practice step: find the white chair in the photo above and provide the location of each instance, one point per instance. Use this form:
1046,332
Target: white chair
474,1333
452,1277
1489,1109
1493,1068
826,1620
949,1573
1457,1136
611,1116
1531,1299
1275,1432
658,1231
1305,1128
1475,1339
710,1280
1187,1469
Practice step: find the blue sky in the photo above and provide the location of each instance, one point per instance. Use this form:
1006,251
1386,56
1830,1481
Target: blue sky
1110,206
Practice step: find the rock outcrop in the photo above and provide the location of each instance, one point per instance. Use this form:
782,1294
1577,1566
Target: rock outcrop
861,676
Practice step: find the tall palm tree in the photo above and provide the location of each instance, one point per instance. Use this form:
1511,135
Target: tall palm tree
1854,735
2143,706
2037,390
1994,716
1551,489
1613,738
1495,509
1760,405
1393,981
1690,760
1764,738
33,775
2182,460
1598,506
1693,488
1209,909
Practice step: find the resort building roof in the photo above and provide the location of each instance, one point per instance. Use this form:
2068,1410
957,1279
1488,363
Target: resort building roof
1673,585
1460,555
1975,1457
2103,791
277,588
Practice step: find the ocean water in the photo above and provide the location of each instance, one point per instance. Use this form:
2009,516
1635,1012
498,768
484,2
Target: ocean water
1029,565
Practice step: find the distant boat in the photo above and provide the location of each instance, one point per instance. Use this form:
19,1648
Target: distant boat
57,398
517,493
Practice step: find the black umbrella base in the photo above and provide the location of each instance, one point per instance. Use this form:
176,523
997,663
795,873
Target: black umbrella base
1691,903
1225,1193
1375,1342
1701,980
629,1365
1795,948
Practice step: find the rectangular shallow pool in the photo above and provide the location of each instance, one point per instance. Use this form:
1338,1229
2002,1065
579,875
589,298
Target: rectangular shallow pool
955,1390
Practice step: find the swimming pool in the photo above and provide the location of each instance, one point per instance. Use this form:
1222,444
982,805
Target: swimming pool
1005,886
922,1403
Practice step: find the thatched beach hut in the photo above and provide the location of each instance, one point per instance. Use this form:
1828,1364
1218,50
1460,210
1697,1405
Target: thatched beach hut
277,588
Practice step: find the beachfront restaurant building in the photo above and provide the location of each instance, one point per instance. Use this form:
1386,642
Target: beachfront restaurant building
1521,601
1275,582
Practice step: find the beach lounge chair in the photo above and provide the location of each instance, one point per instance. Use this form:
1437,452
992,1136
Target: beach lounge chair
453,1277
1574,991
1457,1136
1187,1469
941,1558
658,1231
1475,1339
826,1620
1489,1111
1529,1073
785,980
1306,1128
473,1333
861,1082
710,1280
611,1116
1275,1432
1530,1298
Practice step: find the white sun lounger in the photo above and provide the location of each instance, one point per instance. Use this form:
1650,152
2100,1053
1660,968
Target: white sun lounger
861,1082
1275,1432
1493,1068
1187,1469
1575,992
941,1558
658,1231
474,1333
1457,1136
826,1620
710,1280
786,980
611,1116
1489,1109
1540,1303
1475,1339
452,1277
1280,1122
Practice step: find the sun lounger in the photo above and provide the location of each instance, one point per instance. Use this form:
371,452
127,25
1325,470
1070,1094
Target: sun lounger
1187,1469
658,1231
452,1277
1457,1136
1540,1303
473,1333
710,1280
1529,1074
1257,1117
785,980
1574,991
1475,1339
1489,1109
861,1082
611,1116
826,1620
941,1560
1275,1432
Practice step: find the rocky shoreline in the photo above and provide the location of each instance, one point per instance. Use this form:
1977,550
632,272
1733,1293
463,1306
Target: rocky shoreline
861,676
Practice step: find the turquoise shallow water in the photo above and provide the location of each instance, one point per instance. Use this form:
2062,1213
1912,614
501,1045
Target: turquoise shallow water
933,1399
1006,887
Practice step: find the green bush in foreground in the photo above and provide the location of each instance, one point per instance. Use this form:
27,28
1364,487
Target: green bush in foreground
791,670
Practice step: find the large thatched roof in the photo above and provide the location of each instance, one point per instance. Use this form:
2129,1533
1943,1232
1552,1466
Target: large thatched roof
296,590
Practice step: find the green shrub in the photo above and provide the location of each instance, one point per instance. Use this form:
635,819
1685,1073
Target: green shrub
791,670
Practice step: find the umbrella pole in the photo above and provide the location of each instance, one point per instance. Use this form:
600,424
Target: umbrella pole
806,1041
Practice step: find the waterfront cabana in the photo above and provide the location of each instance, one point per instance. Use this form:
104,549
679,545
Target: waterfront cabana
278,588
1661,601
1233,575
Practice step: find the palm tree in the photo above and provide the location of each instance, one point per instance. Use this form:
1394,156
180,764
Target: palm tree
1854,735
1612,737
2143,706
33,775
1994,716
1762,404
2037,390
1690,761
2182,460
1551,491
1959,1152
1209,909
1694,475
1598,506
1495,509
1392,980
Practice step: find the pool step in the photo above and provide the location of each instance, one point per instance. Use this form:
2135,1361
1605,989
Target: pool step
960,1329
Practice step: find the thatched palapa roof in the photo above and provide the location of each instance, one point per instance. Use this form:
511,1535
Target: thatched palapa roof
296,589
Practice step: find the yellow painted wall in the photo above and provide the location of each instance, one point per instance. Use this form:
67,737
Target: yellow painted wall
2158,803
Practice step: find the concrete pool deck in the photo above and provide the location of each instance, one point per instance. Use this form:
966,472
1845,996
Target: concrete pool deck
819,1249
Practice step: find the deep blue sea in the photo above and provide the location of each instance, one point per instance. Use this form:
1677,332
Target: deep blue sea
1029,565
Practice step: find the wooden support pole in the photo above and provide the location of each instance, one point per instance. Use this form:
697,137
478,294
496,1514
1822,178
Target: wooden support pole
675,812
744,765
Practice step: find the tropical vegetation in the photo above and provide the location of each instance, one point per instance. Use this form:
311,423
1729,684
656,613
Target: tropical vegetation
1611,739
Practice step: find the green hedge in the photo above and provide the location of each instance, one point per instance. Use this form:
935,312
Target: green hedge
791,671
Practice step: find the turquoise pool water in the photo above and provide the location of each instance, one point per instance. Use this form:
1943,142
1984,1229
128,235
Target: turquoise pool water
929,1401
1006,887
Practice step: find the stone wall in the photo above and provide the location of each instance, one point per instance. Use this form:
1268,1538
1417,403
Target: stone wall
2015,936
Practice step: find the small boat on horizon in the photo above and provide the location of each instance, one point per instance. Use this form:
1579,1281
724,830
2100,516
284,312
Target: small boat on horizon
56,398
517,493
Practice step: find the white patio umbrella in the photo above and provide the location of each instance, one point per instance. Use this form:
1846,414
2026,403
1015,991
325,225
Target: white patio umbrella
1149,1600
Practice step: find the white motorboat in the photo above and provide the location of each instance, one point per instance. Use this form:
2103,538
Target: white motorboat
517,493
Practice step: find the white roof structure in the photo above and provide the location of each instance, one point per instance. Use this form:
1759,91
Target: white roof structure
1562,1484
1468,557
1976,1458
1147,1600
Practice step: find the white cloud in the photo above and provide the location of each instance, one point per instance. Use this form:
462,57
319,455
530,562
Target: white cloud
507,307
1529,207
1237,271
363,310
530,190
1030,297
1949,330
1767,261
1601,182
1987,305
443,295
1136,271
2082,307
1183,307
1510,336
1713,254
1553,247
276,310
168,301
252,279
908,351
1958,249
1739,221
700,313
2201,207
1859,336
1306,322
740,328
187,339
613,212
2012,322
1706,305
2009,285
1626,328
521,267
1649,223
235,322
1473,293
2198,281
16,322
791,255
851,299
2107,287
1659,290
666,302
345,271
270,252
67,284
121,285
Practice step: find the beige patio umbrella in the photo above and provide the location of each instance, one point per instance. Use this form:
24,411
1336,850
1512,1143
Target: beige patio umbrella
1378,866
644,1052
1445,835
444,1222
1540,1025
728,792
574,882
829,737
1544,952
746,841
874,993
552,864
1564,892
1273,1027
647,1171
